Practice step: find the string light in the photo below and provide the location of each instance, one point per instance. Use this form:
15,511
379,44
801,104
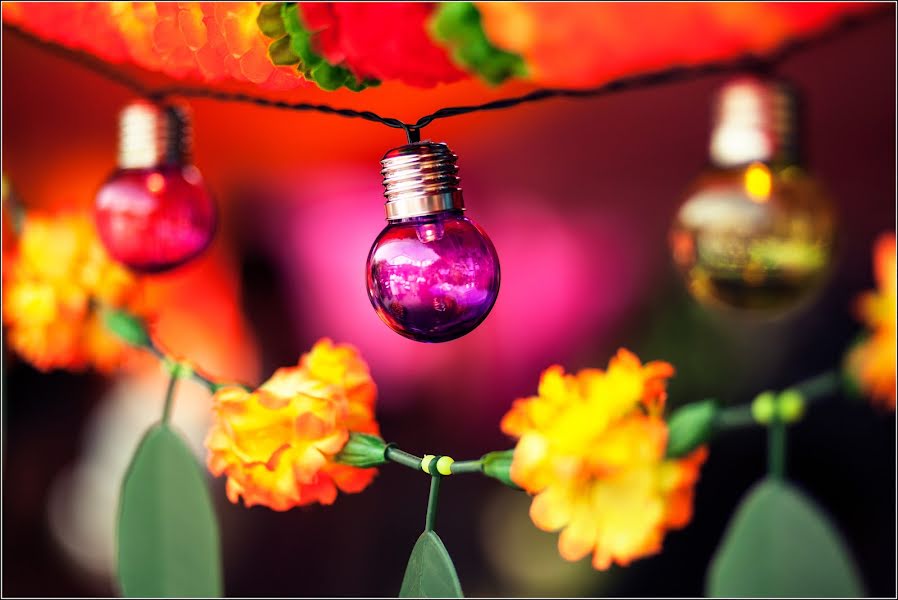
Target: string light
771,270
154,213
755,231
433,274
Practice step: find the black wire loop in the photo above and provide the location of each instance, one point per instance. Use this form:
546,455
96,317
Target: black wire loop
750,63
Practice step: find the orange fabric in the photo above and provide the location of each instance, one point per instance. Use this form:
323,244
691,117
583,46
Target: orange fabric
586,44
563,44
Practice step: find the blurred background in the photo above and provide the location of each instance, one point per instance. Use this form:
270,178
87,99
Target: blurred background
577,196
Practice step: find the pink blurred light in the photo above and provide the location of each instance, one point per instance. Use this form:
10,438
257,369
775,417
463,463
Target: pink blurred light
566,279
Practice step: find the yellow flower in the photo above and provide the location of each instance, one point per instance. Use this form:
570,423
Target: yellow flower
872,362
58,275
591,448
277,444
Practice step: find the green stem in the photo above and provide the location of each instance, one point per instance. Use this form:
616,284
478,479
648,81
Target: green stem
432,502
812,389
414,462
776,449
819,386
169,399
210,384
734,417
467,466
403,458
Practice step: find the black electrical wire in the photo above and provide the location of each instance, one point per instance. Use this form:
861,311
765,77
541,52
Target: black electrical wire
743,63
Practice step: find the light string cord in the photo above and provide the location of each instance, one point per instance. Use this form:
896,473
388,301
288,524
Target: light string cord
744,63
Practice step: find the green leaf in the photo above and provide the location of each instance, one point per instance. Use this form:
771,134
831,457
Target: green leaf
780,544
167,532
457,25
269,20
296,48
126,326
690,426
498,466
430,572
281,52
329,77
363,450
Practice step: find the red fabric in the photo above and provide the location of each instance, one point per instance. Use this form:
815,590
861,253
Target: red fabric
383,41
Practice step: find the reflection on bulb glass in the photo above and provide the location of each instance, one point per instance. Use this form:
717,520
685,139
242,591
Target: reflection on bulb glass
432,273
154,213
433,278
755,231
753,237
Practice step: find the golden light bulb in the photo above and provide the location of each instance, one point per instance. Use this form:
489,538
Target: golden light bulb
755,231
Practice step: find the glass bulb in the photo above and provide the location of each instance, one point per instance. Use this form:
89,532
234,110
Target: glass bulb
154,213
433,278
153,220
755,231
432,273
753,237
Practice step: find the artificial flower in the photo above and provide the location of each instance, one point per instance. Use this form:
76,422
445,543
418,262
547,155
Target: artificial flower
214,42
386,41
57,279
872,361
579,44
277,444
591,448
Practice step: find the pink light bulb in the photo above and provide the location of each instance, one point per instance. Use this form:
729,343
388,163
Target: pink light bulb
154,213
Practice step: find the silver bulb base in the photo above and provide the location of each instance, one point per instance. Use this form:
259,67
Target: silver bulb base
153,134
755,121
421,179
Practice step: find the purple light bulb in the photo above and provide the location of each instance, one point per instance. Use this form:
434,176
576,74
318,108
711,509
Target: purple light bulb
433,274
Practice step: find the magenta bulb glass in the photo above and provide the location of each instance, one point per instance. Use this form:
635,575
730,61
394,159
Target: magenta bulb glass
155,219
433,274
433,278
154,213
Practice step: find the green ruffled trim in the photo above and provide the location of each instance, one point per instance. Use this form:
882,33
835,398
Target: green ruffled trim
292,45
457,26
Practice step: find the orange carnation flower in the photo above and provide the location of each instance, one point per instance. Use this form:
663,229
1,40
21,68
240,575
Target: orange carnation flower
591,447
872,362
58,275
277,444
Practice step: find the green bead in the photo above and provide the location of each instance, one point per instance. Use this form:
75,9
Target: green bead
763,407
790,406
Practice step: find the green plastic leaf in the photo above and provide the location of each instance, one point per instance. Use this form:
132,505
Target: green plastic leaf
430,572
269,20
780,544
329,77
458,26
167,532
498,466
363,450
127,327
281,52
690,426
296,48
